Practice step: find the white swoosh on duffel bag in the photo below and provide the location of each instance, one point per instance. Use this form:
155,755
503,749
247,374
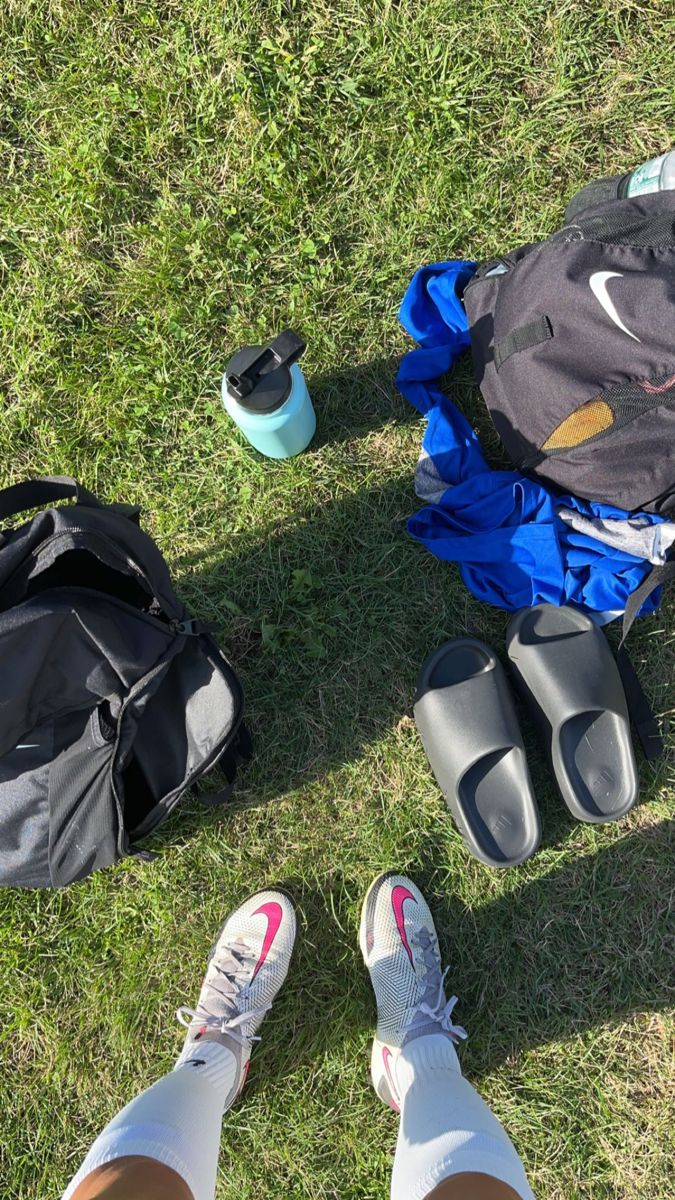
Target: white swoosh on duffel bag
598,285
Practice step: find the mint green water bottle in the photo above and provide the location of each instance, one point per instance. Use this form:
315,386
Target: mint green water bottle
265,392
656,175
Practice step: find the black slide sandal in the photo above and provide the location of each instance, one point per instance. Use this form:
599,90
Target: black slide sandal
568,676
468,725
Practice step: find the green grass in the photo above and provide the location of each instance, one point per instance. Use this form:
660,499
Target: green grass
179,179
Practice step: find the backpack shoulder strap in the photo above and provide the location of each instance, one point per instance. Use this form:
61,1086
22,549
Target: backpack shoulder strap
36,493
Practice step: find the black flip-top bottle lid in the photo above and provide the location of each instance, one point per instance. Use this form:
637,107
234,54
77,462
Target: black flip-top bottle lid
259,377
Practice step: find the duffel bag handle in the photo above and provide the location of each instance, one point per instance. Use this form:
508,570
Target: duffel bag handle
35,493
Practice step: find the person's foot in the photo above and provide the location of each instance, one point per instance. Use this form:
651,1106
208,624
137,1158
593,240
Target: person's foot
400,949
246,968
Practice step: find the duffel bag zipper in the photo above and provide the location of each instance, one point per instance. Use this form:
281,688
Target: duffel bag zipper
95,536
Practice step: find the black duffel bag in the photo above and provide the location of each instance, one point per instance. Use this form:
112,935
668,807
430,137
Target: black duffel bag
113,702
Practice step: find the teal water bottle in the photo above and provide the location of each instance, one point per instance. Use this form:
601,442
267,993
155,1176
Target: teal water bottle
656,175
265,393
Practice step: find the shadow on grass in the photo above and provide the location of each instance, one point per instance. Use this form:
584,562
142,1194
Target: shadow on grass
352,402
329,616
328,619
584,945
579,948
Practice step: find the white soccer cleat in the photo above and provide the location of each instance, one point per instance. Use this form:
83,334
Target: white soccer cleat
245,971
400,949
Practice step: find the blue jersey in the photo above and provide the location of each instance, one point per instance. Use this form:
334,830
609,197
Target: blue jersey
516,543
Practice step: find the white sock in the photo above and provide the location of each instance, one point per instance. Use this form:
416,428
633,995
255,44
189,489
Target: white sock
176,1121
445,1126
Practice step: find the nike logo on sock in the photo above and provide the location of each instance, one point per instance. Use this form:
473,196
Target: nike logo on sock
274,914
598,285
398,898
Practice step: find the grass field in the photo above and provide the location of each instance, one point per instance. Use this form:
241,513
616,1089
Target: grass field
180,179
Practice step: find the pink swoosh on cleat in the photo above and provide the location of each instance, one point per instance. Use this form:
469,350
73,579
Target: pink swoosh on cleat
386,1058
274,914
398,898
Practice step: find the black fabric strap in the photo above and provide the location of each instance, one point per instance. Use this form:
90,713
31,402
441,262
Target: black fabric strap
638,705
522,339
144,856
639,708
35,493
218,798
239,752
658,575
131,511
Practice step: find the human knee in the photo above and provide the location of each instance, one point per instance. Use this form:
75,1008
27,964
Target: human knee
133,1178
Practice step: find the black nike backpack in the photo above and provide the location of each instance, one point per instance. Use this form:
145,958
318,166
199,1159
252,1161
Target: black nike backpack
113,701
573,343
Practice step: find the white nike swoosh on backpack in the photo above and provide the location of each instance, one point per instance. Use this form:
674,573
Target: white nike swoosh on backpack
598,285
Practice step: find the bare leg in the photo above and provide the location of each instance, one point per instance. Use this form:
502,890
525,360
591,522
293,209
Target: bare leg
133,1178
164,1144
471,1185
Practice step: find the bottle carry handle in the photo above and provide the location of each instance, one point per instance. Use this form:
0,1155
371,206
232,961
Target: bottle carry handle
282,352
36,493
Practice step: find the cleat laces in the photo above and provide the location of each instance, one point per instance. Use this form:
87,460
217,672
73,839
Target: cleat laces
229,987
